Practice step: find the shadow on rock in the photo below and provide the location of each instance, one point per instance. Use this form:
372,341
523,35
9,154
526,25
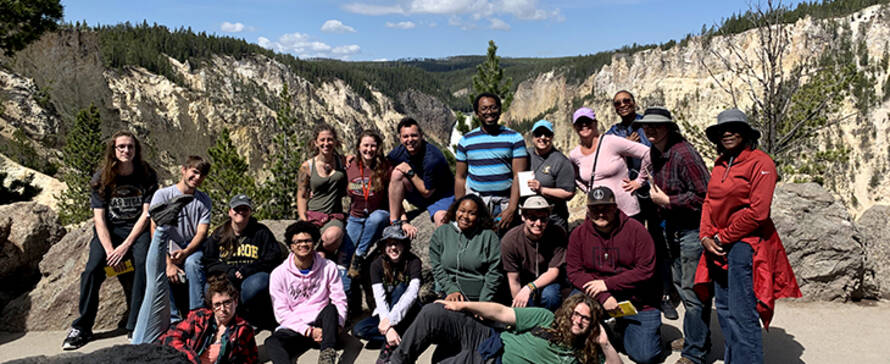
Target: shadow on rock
119,354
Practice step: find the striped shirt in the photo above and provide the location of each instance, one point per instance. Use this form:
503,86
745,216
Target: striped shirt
489,159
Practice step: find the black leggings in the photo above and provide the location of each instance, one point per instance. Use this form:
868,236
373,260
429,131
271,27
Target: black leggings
285,345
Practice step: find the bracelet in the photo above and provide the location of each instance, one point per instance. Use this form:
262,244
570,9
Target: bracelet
532,286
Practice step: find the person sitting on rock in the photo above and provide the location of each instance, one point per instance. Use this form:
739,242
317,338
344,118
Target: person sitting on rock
465,255
246,252
395,280
421,175
121,191
308,302
216,334
533,255
611,258
535,335
321,187
183,248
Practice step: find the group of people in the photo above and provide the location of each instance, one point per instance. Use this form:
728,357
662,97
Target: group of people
515,284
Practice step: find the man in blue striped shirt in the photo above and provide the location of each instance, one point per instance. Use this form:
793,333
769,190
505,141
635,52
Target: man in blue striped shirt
488,159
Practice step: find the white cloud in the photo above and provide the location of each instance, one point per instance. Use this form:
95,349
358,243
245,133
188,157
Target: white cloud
303,46
368,9
478,9
346,50
401,25
498,24
336,26
231,27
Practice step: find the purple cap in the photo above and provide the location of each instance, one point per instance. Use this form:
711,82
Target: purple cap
585,112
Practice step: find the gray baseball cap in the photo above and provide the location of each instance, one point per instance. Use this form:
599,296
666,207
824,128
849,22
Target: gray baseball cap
240,200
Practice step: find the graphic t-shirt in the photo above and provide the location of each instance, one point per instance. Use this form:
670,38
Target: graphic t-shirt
125,199
360,179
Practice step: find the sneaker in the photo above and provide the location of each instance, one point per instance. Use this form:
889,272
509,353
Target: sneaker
167,213
667,308
677,345
355,266
75,339
327,356
385,353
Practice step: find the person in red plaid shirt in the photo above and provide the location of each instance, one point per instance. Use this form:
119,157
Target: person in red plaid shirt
680,184
215,335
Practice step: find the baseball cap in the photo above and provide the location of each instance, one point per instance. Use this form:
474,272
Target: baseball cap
240,200
600,195
583,112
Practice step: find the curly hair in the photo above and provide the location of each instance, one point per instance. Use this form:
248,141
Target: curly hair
219,283
320,129
483,216
560,331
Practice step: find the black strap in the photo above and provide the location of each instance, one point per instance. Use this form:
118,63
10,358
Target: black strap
595,158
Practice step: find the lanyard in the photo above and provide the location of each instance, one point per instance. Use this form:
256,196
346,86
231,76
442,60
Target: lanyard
366,189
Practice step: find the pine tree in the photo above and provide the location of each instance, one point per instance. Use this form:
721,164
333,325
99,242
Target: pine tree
230,176
81,156
280,191
488,78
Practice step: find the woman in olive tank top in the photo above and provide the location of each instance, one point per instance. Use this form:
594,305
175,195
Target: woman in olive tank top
322,187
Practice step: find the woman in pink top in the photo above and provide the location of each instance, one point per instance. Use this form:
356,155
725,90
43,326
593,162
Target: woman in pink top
611,168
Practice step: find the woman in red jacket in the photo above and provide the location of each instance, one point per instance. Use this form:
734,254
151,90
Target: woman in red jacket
743,254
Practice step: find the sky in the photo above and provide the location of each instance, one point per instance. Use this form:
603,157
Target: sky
372,30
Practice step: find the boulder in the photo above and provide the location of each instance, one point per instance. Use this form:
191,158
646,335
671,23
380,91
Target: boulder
27,231
823,245
876,231
53,304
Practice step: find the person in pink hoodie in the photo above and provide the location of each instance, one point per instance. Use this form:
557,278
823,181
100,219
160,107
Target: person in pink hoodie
308,301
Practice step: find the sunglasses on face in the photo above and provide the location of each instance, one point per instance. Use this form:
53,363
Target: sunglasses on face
624,101
542,134
536,217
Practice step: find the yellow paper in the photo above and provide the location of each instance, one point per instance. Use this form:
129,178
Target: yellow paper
625,308
127,267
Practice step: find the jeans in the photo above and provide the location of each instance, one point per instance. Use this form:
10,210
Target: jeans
154,314
456,334
641,336
255,305
94,274
548,297
686,250
360,233
367,328
737,307
194,275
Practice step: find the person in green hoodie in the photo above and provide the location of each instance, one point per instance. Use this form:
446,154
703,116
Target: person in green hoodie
465,254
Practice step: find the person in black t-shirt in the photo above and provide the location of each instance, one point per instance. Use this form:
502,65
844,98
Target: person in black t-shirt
395,280
121,192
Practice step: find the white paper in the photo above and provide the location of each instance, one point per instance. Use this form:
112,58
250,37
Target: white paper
172,247
524,177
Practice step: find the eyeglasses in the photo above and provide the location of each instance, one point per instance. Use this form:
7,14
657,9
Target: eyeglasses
624,101
124,146
221,304
583,318
303,241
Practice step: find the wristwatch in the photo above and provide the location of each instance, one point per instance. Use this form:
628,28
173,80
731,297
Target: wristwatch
410,173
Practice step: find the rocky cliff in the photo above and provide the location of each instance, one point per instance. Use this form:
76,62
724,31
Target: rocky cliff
680,78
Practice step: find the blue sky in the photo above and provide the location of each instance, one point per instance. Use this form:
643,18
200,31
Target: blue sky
394,29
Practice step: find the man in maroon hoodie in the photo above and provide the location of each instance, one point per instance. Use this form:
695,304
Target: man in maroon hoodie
611,258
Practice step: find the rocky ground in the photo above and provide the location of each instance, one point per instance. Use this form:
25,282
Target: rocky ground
802,332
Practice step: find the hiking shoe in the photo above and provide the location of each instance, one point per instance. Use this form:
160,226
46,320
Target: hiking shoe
167,213
327,356
677,345
667,308
75,339
684,360
355,267
385,353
